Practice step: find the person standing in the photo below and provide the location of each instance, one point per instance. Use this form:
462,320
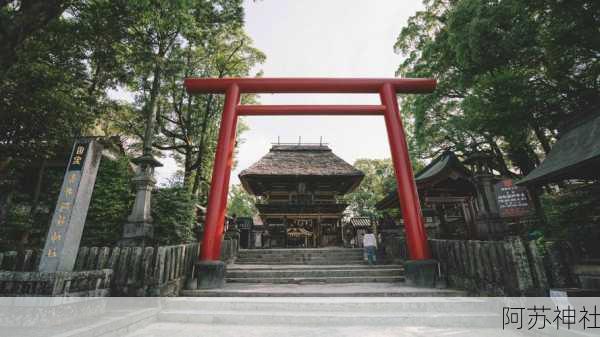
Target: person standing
266,239
370,245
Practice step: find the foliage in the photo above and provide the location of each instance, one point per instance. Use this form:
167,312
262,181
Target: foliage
572,213
58,62
505,78
44,96
189,123
110,204
19,20
379,180
173,211
241,204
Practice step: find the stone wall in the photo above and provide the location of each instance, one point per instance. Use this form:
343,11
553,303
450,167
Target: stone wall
393,247
511,267
136,271
230,247
94,283
29,261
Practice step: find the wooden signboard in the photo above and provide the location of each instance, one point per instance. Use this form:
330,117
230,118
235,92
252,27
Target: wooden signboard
513,201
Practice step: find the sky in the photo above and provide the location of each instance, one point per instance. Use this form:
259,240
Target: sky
320,38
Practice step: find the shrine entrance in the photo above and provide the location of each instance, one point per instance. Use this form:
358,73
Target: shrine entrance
387,89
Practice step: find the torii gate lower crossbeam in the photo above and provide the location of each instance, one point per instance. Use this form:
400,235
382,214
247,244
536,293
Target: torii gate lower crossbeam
387,89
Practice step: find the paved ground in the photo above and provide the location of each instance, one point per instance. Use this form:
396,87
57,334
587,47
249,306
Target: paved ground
349,289
216,330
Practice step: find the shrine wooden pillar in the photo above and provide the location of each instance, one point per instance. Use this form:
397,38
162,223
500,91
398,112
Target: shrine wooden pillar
416,237
219,187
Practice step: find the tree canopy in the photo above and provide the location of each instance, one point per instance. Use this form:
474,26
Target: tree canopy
241,204
509,73
379,180
61,63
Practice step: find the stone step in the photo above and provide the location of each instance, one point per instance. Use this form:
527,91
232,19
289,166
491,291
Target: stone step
299,250
305,257
300,256
316,279
298,272
235,267
347,290
308,262
284,261
336,304
442,320
291,253
442,312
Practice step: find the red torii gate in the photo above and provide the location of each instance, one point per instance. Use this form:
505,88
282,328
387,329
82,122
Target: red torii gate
387,88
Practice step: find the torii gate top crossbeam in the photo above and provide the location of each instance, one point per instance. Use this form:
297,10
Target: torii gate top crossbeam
309,85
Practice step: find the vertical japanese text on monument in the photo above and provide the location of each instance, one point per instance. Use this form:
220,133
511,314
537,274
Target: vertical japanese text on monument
66,199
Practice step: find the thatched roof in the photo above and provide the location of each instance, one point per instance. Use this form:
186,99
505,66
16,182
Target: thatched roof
300,162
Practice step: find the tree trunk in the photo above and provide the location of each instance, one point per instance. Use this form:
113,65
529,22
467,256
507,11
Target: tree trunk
503,167
541,136
521,155
202,145
188,165
187,169
152,109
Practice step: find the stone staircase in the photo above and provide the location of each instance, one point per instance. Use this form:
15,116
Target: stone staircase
311,256
295,266
324,272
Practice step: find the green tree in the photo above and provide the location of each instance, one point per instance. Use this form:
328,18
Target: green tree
110,203
240,203
20,20
58,60
379,180
505,79
173,212
189,124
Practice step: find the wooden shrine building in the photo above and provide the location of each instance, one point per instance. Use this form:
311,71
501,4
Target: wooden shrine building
463,203
298,188
448,197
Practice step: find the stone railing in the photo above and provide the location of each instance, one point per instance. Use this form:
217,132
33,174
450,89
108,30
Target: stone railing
148,271
394,247
83,283
28,261
134,271
510,267
230,246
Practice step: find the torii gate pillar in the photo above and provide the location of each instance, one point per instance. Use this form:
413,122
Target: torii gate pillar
420,270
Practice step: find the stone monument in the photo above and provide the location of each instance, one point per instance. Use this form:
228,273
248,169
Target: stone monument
56,276
66,228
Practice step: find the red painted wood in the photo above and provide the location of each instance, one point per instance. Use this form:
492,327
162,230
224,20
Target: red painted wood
330,110
308,85
416,236
210,249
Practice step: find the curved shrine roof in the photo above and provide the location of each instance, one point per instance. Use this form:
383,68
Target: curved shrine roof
301,160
